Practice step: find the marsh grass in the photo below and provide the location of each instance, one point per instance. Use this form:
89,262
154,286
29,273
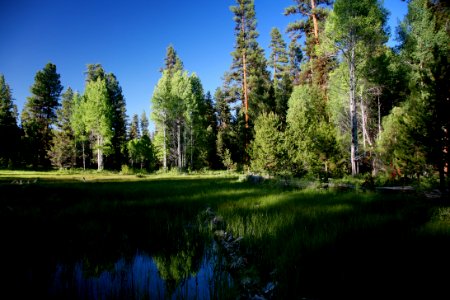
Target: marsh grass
319,244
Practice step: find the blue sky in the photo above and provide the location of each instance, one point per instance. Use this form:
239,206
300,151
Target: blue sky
129,38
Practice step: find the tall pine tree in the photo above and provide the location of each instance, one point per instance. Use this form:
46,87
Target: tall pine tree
39,114
9,131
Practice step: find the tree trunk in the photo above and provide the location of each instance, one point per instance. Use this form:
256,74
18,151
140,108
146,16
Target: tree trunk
192,148
244,69
99,154
316,25
84,156
353,116
164,147
179,144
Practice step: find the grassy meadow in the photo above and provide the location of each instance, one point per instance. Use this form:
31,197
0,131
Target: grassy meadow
311,243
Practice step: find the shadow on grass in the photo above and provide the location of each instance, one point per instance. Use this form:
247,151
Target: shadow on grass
321,244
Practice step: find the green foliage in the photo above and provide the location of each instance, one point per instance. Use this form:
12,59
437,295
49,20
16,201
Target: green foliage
141,151
63,150
98,116
39,114
310,139
268,149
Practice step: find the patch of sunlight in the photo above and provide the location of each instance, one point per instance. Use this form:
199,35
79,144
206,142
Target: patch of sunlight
439,223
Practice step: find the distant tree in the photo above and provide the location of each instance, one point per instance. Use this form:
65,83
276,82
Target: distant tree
312,13
119,117
144,124
9,131
211,124
63,151
134,128
39,114
172,62
278,57
98,117
295,59
78,125
141,151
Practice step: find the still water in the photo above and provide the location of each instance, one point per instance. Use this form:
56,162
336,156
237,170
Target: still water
143,277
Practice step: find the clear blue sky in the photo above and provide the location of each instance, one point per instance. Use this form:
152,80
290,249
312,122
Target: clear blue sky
129,38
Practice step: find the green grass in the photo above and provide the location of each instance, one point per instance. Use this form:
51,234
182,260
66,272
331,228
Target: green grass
314,243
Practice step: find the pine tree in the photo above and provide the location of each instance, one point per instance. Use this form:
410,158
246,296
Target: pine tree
172,62
423,117
310,25
295,59
278,57
63,150
39,114
134,128
9,131
144,124
248,81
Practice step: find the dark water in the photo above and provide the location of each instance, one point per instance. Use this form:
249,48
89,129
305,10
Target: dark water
143,277
140,276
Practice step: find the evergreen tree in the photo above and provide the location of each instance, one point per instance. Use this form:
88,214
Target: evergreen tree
211,124
278,57
172,62
295,59
310,140
423,118
268,151
134,128
39,114
310,25
144,124
63,150
248,80
9,131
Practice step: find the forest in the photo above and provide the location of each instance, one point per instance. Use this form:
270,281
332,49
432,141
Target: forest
333,101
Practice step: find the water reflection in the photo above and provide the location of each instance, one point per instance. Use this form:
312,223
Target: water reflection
145,277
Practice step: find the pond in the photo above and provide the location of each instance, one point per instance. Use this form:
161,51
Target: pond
144,277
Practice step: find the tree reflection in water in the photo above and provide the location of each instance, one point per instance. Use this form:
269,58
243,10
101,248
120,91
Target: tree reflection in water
192,273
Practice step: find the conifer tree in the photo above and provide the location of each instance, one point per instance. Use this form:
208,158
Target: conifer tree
9,131
63,150
144,125
310,25
134,128
248,80
278,57
39,114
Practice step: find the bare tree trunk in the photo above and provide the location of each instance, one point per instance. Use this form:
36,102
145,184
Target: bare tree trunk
179,144
99,154
192,148
164,147
353,116
316,25
84,156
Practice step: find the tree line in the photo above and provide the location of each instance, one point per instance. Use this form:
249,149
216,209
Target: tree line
341,102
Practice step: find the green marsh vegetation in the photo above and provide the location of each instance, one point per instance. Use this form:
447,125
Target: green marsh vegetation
318,244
